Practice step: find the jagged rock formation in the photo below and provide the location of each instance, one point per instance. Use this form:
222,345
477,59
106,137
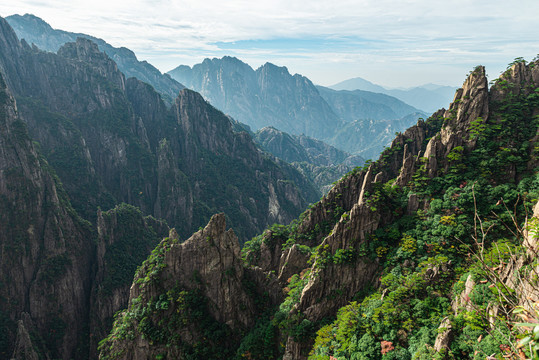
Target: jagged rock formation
410,256
105,139
36,31
346,221
187,286
113,140
124,239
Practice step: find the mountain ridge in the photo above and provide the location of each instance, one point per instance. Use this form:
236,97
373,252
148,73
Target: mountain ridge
36,31
271,96
390,253
428,97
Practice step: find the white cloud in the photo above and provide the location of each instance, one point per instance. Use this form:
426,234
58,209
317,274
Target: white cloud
413,41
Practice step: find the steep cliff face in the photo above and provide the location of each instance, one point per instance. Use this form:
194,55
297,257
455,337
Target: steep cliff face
386,250
268,96
125,239
46,249
363,232
36,31
188,299
112,140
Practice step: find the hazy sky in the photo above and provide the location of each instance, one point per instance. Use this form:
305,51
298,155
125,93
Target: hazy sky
392,43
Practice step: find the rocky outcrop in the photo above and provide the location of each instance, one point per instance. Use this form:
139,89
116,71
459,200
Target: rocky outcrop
340,269
125,239
206,267
25,349
471,103
443,340
518,79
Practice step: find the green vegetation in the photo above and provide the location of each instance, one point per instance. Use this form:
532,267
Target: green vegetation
469,226
132,237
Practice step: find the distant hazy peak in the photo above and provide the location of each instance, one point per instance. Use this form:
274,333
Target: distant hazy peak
357,83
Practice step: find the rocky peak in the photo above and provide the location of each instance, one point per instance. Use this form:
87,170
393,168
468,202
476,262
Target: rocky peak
202,125
204,272
519,79
469,104
46,248
8,38
86,51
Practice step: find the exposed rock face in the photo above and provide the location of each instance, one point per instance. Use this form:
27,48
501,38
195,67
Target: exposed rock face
109,140
269,96
46,249
113,140
519,79
208,264
36,31
443,340
24,347
338,271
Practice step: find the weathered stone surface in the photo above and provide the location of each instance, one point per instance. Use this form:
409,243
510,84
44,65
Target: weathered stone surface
25,349
208,262
443,340
46,249
292,261
463,299
124,240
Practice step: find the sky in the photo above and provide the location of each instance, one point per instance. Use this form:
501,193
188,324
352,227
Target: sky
393,43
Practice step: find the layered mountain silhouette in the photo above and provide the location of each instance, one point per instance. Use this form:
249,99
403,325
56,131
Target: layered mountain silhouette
428,97
36,31
271,96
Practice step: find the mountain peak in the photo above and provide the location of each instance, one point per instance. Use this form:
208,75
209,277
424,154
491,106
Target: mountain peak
272,67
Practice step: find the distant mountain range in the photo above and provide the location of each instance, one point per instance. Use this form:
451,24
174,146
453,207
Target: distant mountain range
428,97
271,96
323,164
267,96
36,31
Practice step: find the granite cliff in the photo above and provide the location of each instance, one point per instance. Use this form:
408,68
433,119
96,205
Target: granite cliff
114,140
76,136
271,97
407,257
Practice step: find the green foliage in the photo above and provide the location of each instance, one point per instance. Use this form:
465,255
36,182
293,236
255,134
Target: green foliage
164,318
53,268
133,238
